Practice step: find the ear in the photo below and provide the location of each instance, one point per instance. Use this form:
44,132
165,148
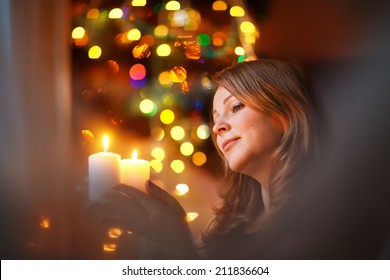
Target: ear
280,122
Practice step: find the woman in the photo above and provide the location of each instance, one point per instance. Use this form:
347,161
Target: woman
264,123
263,129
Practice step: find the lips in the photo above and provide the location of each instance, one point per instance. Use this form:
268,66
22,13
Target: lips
229,143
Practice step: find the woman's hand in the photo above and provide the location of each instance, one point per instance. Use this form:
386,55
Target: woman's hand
158,217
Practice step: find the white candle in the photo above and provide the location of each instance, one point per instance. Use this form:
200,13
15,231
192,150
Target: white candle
135,172
104,171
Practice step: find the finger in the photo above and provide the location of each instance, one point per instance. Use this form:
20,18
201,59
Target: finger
164,197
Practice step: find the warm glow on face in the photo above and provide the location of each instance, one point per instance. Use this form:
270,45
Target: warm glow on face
192,216
134,155
182,189
105,143
115,13
163,50
94,52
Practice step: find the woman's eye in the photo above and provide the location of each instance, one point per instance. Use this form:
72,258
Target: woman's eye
237,107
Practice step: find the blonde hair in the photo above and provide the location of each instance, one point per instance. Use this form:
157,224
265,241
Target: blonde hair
270,86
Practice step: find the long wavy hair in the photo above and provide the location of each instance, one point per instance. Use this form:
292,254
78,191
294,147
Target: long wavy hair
269,86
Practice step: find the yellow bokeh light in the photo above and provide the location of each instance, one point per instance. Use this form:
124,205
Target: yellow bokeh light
161,30
146,106
167,116
237,11
177,133
247,27
78,33
219,6
115,13
163,50
182,189
165,79
134,34
187,148
199,158
172,6
203,131
156,165
178,74
94,52
158,154
192,216
157,133
177,166
138,3
114,233
239,51
93,13
44,223
109,247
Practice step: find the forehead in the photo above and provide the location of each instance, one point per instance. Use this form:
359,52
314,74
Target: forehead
220,96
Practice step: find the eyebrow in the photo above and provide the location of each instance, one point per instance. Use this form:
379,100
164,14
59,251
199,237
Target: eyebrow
223,102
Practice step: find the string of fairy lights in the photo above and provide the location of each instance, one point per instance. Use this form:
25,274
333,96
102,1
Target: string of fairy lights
169,48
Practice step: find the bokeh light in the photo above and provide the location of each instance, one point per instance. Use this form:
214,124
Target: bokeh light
163,50
203,39
247,27
237,11
78,33
172,6
114,232
199,158
133,34
146,106
219,6
167,116
177,166
177,133
182,189
161,30
203,131
178,74
93,13
186,148
137,72
239,51
94,52
165,79
158,154
138,3
191,216
156,165
115,13
157,133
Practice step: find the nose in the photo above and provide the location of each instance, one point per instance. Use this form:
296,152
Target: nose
221,127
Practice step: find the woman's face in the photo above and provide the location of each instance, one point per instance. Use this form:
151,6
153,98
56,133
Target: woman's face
245,136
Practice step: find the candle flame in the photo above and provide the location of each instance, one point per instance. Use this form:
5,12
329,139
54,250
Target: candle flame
105,143
134,155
